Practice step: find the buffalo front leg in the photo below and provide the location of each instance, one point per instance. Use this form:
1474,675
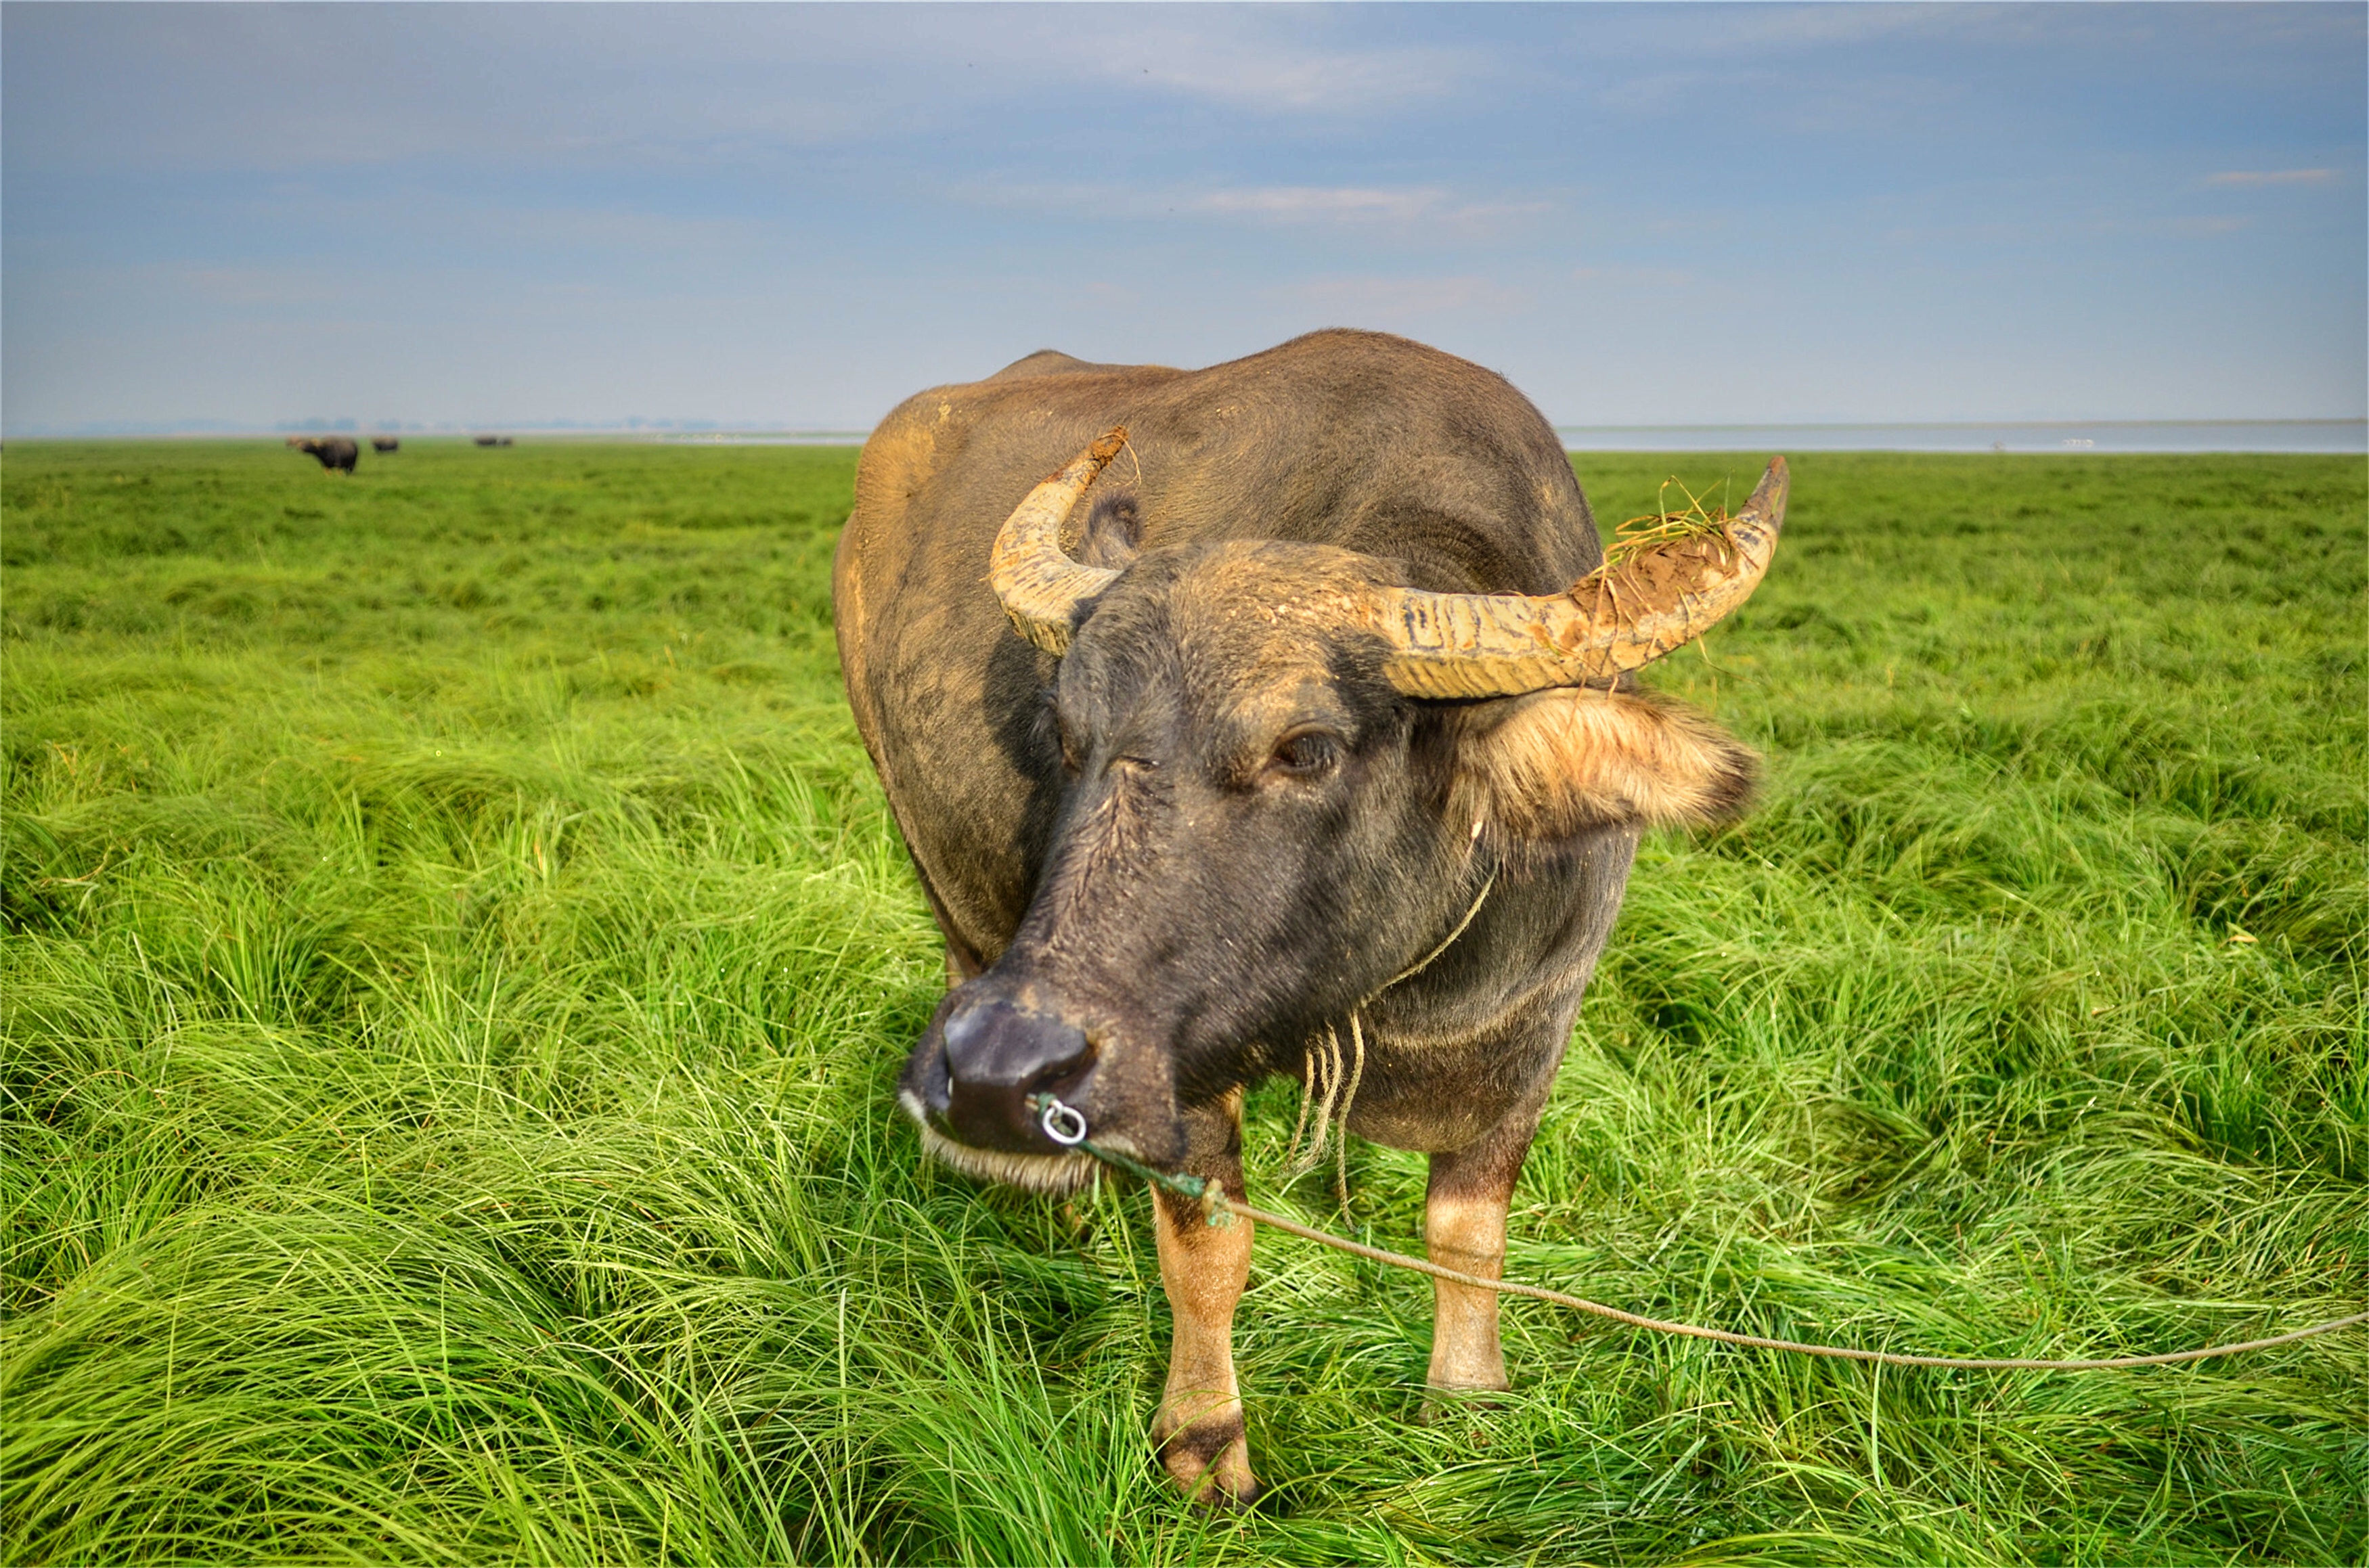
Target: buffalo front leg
1464,1229
1198,1430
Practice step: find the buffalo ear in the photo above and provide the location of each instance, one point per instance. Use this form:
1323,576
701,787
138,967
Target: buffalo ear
1114,530
1545,766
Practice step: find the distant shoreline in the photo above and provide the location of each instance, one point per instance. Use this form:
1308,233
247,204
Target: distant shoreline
2326,437
2323,437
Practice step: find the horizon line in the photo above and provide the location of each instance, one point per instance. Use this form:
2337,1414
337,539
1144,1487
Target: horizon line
681,430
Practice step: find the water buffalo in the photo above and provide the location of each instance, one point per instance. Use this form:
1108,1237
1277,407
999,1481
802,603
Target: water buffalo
335,451
385,443
1310,747
491,441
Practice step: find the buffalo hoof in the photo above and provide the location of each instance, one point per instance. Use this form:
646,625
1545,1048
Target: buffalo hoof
1210,1462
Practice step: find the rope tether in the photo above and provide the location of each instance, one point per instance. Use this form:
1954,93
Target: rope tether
1322,1074
1220,1209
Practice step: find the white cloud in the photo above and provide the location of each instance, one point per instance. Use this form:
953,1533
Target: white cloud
1436,207
1429,205
1790,100
250,87
1301,203
1262,66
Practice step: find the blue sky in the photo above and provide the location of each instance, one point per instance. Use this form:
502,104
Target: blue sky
797,215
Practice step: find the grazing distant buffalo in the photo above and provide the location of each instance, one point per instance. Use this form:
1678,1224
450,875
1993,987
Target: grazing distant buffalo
493,440
385,443
335,451
1316,753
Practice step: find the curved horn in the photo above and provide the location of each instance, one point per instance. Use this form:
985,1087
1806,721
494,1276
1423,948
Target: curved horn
1039,585
1616,618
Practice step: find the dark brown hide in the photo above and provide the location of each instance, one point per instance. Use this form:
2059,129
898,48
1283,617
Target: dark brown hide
1212,833
1355,440
337,452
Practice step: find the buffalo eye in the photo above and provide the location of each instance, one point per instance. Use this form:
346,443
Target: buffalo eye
1305,753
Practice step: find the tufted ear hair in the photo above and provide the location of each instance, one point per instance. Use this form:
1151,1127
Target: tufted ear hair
1114,530
1535,769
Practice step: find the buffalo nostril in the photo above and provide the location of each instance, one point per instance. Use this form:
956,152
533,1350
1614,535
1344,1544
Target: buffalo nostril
937,1085
998,1056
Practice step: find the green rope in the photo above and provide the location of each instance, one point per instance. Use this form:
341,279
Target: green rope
1210,1194
1199,1189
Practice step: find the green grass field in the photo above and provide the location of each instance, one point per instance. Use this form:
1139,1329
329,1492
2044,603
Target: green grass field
457,958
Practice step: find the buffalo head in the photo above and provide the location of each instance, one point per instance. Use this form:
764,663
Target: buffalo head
1287,775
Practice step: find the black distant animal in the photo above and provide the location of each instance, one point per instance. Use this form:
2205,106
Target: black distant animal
493,440
1316,753
385,443
335,451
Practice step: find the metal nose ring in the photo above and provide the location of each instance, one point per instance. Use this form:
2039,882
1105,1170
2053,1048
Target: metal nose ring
1063,1124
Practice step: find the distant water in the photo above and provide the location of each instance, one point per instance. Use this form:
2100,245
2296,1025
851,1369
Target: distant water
766,438
2338,436
2342,436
